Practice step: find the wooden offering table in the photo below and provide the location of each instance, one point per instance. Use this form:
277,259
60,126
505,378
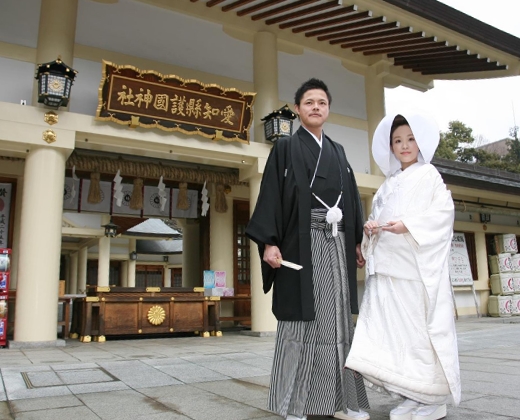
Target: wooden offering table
153,310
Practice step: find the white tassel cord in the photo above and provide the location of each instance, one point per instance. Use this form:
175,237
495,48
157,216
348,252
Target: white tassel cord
334,214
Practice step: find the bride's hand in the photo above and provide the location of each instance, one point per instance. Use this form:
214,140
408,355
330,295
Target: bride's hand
370,227
397,227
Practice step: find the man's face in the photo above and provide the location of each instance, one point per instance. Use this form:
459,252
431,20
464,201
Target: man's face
313,108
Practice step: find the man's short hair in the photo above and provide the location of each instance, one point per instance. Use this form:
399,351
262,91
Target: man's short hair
309,85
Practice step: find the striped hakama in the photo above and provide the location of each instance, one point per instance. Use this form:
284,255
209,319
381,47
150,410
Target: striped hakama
307,375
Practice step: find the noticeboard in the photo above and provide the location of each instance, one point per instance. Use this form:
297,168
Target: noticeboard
459,264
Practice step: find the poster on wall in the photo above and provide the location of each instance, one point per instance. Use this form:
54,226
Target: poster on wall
5,204
459,264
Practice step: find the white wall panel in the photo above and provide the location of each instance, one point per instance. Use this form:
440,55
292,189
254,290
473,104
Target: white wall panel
355,143
158,34
19,22
347,88
16,81
84,93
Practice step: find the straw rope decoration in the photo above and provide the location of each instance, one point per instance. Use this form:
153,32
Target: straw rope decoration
94,190
220,199
150,170
136,201
182,200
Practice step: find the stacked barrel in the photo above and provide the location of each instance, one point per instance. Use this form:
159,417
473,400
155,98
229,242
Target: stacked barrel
504,266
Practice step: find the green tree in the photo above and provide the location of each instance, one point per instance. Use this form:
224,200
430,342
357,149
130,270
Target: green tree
512,158
452,142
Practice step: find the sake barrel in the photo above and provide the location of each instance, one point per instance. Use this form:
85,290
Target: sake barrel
500,263
515,305
502,284
506,243
499,306
515,262
516,282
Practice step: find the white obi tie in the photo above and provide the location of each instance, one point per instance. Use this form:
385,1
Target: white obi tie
334,214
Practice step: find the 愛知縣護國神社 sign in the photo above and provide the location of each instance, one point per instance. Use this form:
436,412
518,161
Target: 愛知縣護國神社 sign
150,99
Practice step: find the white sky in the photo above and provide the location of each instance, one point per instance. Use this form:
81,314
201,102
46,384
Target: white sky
484,105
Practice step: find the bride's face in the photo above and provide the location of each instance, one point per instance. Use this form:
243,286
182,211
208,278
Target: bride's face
404,147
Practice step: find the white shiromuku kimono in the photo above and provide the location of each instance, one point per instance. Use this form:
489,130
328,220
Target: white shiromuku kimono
405,340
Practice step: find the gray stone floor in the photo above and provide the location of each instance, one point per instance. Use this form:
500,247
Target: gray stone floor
221,378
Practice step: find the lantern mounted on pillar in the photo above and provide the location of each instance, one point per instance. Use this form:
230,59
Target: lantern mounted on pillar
485,217
54,83
110,229
133,256
278,123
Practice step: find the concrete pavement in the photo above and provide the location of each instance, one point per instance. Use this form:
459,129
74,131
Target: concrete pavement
222,378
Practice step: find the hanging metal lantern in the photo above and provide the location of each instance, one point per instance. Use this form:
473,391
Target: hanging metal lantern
54,83
110,229
278,123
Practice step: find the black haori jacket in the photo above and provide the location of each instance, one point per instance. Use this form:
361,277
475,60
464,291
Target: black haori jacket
282,217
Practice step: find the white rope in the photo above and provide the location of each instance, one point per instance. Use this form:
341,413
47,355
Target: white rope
334,213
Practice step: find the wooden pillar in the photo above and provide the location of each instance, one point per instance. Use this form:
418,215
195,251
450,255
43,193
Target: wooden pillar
40,247
82,270
265,77
262,318
221,239
375,100
131,263
73,274
104,257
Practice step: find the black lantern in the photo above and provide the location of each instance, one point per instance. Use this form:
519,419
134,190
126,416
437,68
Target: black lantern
110,229
54,83
278,123
485,217
133,256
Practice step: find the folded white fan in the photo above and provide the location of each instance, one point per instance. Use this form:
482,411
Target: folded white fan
290,264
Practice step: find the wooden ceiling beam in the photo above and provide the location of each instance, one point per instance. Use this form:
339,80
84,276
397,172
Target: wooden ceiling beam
355,25
416,47
397,44
282,9
450,55
384,40
212,3
333,4
373,35
442,50
444,60
346,36
236,5
327,23
257,7
447,70
469,65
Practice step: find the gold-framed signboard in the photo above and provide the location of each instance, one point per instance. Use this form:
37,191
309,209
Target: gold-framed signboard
136,98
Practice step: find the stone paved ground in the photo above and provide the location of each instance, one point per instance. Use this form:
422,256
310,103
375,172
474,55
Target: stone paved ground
222,378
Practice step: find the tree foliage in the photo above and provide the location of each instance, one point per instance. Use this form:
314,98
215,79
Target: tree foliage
453,140
457,144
